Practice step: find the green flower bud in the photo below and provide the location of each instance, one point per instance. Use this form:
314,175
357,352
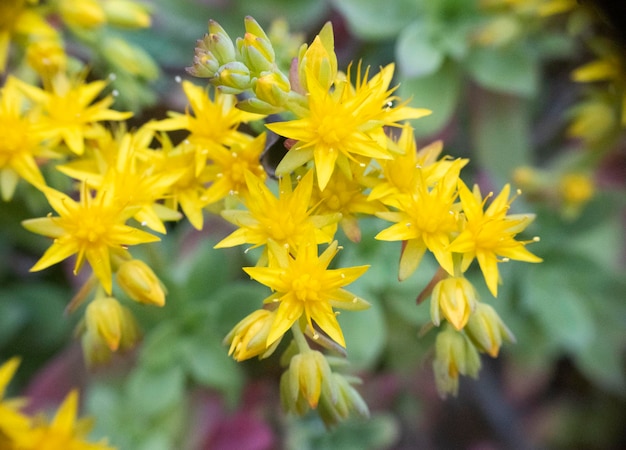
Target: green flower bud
129,58
255,48
334,409
308,372
487,330
220,43
454,355
126,13
234,75
273,88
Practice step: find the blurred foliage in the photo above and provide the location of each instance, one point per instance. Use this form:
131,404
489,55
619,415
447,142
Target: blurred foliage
507,106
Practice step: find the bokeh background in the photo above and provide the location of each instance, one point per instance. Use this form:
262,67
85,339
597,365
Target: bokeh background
501,79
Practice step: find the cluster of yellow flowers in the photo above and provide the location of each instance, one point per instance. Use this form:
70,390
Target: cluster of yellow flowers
342,160
348,153
19,431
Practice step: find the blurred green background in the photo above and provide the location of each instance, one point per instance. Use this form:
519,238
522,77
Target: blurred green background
497,76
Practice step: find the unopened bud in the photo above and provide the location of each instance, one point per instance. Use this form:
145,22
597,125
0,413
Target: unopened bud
47,57
234,75
249,337
130,58
308,372
455,297
220,43
126,13
319,60
273,88
345,403
103,319
141,284
487,330
454,355
255,48
82,13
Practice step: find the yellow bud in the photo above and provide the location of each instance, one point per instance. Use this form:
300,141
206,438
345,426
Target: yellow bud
95,351
82,13
130,58
104,320
273,88
455,297
307,373
47,57
576,188
487,330
248,338
138,280
346,401
125,13
234,75
319,60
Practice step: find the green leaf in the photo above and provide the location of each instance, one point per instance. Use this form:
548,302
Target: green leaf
375,19
415,52
152,392
438,92
381,431
560,302
512,70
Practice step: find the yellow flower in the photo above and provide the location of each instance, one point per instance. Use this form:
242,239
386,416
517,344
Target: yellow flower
19,18
455,297
343,123
249,337
228,168
411,168
213,125
346,196
490,233
425,221
304,286
94,228
286,220
69,113
20,143
82,13
14,425
65,432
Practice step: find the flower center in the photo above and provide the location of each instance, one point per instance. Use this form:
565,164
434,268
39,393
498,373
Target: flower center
306,287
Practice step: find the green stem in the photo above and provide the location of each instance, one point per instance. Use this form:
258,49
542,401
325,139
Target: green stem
303,345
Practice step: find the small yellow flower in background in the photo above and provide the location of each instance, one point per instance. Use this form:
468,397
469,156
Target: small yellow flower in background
304,286
69,113
287,219
490,233
94,228
456,298
20,142
425,220
249,337
487,330
65,432
14,425
47,57
82,13
21,432
575,190
20,18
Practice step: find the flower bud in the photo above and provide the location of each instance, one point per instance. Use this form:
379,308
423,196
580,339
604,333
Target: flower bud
254,105
308,372
126,13
255,48
455,297
319,60
47,57
205,64
220,43
248,338
138,280
234,75
347,401
273,88
104,319
487,330
95,351
454,355
82,13
130,58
